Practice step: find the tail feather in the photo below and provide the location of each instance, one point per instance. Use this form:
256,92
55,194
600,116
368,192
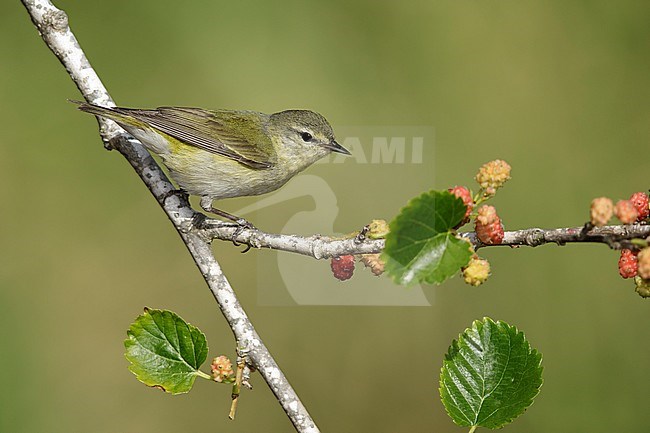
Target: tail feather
117,114
96,109
140,129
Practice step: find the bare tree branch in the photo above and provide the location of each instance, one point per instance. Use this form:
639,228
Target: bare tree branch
52,24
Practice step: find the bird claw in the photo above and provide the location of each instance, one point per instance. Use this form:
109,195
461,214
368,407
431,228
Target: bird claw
242,225
198,220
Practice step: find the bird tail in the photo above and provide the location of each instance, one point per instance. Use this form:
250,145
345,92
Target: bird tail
113,113
94,109
119,115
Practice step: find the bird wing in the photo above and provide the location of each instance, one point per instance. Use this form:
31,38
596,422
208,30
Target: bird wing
214,132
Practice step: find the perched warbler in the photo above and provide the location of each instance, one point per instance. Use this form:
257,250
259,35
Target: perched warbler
218,154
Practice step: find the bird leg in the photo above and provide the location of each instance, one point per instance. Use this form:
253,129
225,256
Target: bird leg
241,223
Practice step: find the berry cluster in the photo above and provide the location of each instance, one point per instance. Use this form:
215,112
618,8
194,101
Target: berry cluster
634,262
343,266
635,209
487,223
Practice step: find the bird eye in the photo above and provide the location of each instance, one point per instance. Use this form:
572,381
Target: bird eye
306,136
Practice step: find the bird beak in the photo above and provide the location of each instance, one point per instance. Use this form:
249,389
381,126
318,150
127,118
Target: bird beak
335,147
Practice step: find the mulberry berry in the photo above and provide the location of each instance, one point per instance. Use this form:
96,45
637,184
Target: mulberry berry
476,272
640,202
601,211
221,368
342,267
464,194
374,262
625,211
492,175
489,228
627,264
644,263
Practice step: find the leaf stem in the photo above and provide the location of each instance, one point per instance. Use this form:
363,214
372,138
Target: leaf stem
203,375
473,428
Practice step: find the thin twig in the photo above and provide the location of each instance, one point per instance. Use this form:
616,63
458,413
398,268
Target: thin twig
52,24
616,237
236,388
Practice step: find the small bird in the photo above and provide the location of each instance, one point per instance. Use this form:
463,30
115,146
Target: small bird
217,154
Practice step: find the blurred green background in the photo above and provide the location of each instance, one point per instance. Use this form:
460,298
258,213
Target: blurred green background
558,89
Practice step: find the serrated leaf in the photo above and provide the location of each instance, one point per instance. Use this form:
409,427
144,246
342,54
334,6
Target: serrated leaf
490,375
165,351
420,246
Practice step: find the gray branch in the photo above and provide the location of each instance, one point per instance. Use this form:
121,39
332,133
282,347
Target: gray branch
316,246
52,24
322,247
616,237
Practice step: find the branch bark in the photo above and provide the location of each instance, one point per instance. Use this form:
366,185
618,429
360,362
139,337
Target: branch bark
52,24
323,247
616,237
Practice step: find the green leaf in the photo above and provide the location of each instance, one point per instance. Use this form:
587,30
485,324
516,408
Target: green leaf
165,351
490,375
421,246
